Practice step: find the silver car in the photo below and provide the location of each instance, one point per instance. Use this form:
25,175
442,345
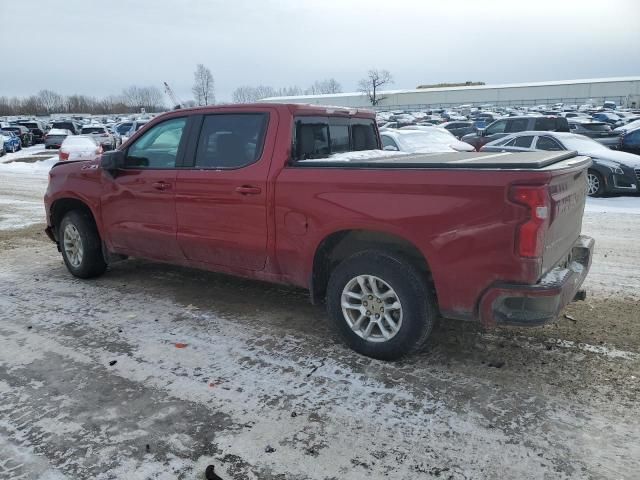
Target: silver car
101,134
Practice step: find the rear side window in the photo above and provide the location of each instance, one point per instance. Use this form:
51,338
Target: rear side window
524,142
230,141
320,137
546,143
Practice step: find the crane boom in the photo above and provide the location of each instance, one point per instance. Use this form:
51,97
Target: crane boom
177,104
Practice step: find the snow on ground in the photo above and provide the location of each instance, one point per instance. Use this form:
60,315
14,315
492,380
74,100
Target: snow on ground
614,205
260,367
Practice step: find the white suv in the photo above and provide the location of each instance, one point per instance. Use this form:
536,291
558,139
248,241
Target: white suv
101,134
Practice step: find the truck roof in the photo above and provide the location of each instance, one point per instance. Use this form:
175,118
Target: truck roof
293,108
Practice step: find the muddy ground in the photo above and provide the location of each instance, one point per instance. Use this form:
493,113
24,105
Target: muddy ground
154,371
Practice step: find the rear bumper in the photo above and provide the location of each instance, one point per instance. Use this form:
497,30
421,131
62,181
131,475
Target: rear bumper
531,305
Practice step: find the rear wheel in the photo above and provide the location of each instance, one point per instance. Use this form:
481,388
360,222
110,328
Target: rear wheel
380,304
80,245
595,184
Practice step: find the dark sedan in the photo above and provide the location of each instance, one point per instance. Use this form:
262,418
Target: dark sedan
458,128
611,171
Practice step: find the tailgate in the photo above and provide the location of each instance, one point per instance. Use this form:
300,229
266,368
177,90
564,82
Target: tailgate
567,190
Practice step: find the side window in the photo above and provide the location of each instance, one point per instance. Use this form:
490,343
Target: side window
634,137
311,138
363,135
339,137
510,143
231,140
387,141
524,142
158,147
547,143
496,127
543,123
516,125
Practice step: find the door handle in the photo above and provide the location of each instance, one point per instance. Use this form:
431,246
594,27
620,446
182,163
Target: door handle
161,185
248,190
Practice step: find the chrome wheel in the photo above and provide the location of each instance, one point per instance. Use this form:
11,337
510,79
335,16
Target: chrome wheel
371,308
72,244
593,184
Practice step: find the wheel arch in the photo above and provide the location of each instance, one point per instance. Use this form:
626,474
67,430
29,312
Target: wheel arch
62,206
341,244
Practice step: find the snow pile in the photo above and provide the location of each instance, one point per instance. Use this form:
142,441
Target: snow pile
356,156
39,167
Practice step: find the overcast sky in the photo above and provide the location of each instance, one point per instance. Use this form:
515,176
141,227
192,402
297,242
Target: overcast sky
100,47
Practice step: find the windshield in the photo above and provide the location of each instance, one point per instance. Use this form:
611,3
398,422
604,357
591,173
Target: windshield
93,130
123,128
580,144
596,127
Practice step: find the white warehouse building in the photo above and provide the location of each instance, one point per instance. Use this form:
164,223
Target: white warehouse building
624,91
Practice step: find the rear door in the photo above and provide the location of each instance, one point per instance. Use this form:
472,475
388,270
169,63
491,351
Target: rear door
138,203
222,190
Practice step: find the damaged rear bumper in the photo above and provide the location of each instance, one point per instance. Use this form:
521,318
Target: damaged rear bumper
531,305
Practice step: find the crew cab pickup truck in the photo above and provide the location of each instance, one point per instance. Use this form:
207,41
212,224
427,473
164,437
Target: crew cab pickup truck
302,195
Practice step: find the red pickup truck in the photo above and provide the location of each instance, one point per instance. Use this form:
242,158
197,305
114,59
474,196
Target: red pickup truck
297,194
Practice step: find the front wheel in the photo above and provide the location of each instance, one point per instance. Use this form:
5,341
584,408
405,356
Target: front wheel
80,245
380,304
595,184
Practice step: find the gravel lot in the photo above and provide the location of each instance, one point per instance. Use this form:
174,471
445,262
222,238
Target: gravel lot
210,369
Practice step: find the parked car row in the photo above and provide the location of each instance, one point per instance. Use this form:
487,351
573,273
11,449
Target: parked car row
479,126
610,172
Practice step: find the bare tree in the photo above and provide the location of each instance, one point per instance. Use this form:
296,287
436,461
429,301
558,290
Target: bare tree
371,84
244,94
137,98
203,86
323,87
50,101
248,94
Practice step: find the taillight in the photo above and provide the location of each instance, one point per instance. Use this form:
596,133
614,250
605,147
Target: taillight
530,234
63,155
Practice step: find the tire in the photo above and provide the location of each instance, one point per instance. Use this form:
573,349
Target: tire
80,245
595,184
414,319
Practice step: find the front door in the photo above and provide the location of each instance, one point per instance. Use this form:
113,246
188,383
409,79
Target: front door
138,202
221,195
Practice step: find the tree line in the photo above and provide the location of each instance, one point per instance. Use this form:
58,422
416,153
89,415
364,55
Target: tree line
45,102
135,98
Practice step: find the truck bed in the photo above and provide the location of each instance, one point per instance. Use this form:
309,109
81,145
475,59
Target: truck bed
458,160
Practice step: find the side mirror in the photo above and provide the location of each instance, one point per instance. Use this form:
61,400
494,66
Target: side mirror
390,148
112,161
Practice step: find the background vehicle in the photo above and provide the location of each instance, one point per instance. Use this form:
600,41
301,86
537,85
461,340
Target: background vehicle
101,134
11,141
268,191
458,129
420,139
135,126
608,117
610,172
70,125
79,147
36,128
2,145
55,137
599,131
26,139
630,142
505,126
